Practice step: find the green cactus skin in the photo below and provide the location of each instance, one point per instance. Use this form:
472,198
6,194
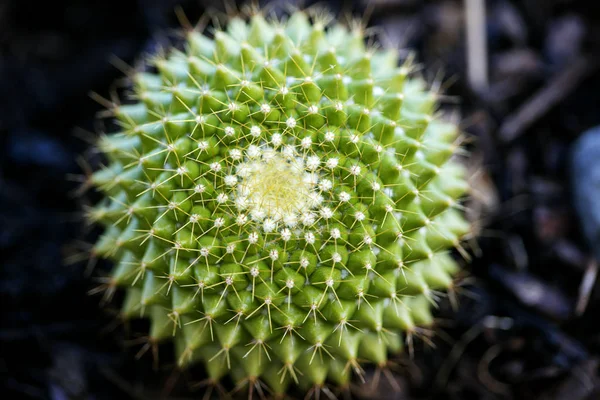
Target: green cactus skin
281,202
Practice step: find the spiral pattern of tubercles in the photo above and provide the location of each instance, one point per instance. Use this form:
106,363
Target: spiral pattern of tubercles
281,202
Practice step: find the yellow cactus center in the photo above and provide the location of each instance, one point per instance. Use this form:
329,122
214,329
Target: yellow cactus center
277,188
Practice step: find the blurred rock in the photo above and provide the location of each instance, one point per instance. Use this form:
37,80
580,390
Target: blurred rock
509,22
521,63
564,39
585,180
68,373
34,148
533,292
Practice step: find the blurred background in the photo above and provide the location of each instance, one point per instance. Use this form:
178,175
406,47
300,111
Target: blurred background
524,76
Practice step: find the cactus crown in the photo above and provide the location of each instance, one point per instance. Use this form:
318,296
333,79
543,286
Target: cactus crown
280,202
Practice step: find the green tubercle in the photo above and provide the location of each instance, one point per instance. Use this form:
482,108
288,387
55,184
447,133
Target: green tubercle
281,202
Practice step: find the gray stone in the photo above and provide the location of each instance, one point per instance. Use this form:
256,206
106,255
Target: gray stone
585,181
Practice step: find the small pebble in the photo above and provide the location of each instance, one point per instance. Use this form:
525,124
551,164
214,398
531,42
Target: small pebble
585,180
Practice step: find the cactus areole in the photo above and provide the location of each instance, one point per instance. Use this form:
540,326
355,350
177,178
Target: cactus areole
281,202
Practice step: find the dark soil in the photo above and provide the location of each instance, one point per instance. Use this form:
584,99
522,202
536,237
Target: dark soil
524,327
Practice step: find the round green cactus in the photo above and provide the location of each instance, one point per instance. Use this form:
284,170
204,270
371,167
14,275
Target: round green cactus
281,202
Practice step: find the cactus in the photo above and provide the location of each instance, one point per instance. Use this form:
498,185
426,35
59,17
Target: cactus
280,202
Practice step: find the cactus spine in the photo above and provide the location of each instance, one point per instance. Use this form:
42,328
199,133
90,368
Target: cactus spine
280,202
